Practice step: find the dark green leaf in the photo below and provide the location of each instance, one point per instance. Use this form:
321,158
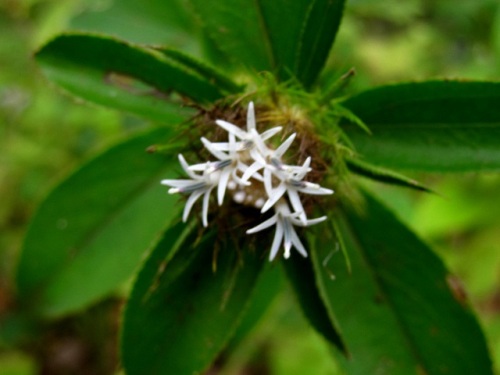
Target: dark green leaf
317,36
430,126
238,28
400,311
89,234
206,71
181,312
495,34
383,175
268,287
301,275
152,22
123,75
283,23
289,38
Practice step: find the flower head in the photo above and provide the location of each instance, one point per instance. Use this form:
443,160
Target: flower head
254,173
291,182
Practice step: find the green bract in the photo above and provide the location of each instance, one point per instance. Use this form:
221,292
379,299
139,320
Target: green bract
374,291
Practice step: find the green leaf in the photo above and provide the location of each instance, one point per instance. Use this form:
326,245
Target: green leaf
301,275
383,175
495,34
268,287
317,37
122,75
206,71
445,126
400,311
288,38
181,312
152,22
237,27
89,234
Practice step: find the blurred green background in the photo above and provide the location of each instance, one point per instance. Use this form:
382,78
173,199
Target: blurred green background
45,134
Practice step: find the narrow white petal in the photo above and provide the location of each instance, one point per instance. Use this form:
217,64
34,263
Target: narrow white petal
284,146
183,184
250,171
200,167
267,205
193,187
204,217
300,172
257,176
274,197
223,180
316,221
220,146
283,209
250,117
261,146
269,133
309,222
297,205
296,172
239,180
189,204
231,128
314,189
287,232
233,146
176,183
217,153
268,181
257,156
278,236
265,224
307,162
185,166
298,244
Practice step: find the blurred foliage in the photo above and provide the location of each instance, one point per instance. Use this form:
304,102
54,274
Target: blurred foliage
43,134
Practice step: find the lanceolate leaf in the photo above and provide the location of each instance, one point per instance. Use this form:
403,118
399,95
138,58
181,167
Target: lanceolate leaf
150,22
238,28
89,234
289,38
107,71
318,34
430,126
383,175
399,311
268,287
206,71
182,311
301,276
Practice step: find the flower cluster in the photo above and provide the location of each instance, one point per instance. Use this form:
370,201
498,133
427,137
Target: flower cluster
255,175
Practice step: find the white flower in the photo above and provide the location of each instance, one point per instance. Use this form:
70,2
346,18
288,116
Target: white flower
290,182
255,175
249,138
285,232
198,185
229,164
